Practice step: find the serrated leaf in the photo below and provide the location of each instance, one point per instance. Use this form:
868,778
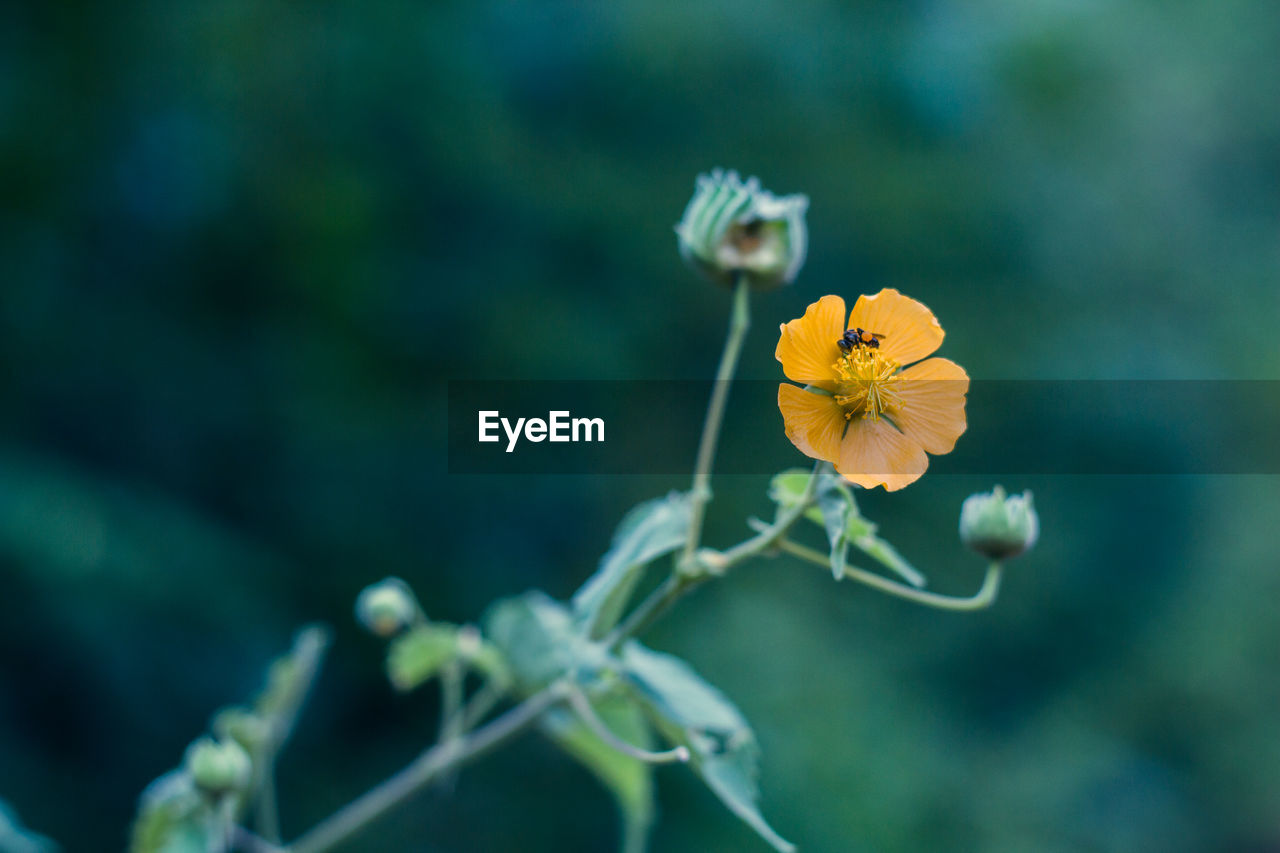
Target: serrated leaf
690,711
14,838
630,780
647,532
537,636
732,777
418,655
174,818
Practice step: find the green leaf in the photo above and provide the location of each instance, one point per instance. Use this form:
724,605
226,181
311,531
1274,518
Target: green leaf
647,532
690,711
679,694
630,780
420,653
537,636
836,506
486,660
14,838
862,535
289,676
174,818
786,488
833,507
836,510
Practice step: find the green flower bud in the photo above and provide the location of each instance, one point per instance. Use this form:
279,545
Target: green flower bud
218,767
733,227
387,607
998,526
242,726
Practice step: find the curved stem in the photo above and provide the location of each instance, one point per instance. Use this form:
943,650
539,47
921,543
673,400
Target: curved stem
739,322
440,759
582,707
983,598
716,563
481,703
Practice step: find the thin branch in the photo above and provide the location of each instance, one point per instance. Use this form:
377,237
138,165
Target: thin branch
680,583
307,655
582,706
739,322
983,598
442,758
481,703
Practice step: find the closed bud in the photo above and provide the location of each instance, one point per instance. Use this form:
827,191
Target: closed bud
387,607
218,767
733,227
997,525
244,727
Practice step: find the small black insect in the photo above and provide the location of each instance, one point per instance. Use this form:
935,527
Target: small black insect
859,338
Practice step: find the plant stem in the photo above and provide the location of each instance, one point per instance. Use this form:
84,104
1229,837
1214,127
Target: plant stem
681,582
582,707
440,759
307,655
739,322
983,598
243,839
450,702
481,703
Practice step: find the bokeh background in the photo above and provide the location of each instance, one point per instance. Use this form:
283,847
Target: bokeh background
244,245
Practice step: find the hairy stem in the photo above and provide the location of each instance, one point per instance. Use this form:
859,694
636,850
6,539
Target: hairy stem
739,322
983,598
440,759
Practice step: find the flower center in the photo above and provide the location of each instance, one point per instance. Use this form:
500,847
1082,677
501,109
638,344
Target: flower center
865,383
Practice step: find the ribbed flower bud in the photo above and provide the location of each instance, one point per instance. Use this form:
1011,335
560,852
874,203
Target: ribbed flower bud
387,607
218,767
997,525
734,227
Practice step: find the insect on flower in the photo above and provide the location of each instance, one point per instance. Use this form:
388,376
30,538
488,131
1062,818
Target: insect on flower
859,338
868,408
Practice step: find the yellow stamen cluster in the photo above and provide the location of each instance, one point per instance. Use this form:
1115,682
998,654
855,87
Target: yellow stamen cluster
866,380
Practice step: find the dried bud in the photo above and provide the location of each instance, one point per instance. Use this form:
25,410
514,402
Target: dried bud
999,526
387,607
733,227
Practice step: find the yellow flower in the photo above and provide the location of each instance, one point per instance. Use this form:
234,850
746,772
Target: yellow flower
863,412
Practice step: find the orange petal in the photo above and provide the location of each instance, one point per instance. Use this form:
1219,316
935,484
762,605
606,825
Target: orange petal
807,348
813,422
932,411
908,330
873,453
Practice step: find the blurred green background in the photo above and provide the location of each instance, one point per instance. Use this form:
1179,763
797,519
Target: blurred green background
245,244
